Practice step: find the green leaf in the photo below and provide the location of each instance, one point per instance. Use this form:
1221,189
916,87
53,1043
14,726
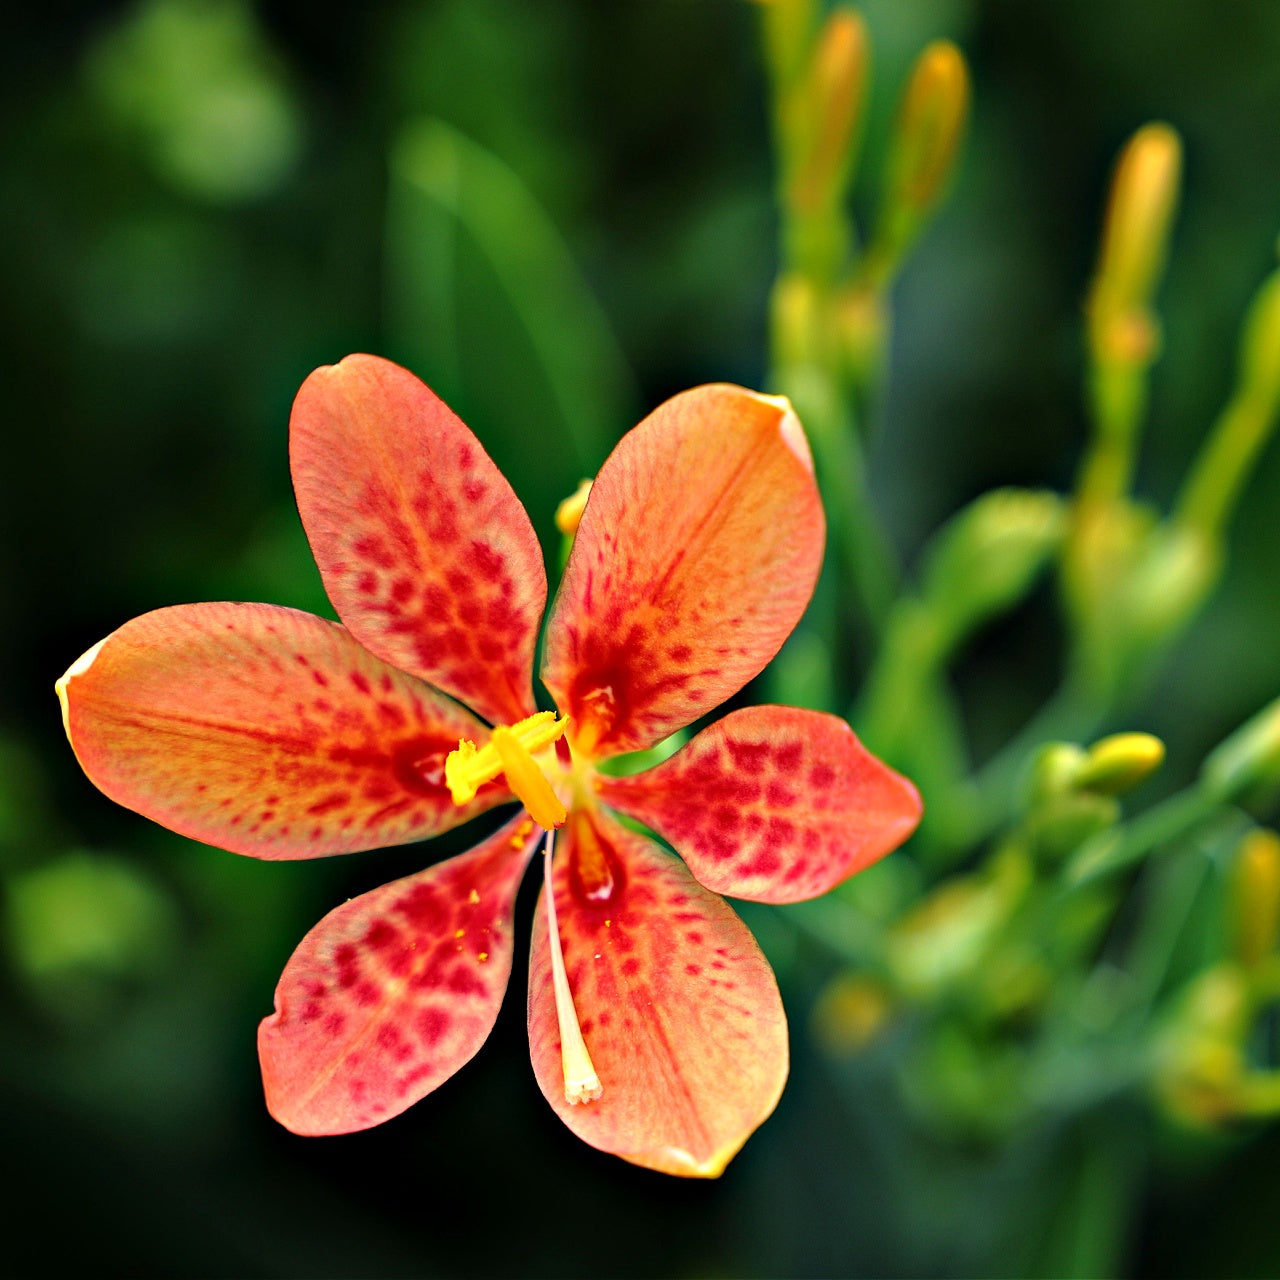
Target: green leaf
450,200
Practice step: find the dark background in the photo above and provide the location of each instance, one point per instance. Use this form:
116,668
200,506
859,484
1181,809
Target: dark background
195,211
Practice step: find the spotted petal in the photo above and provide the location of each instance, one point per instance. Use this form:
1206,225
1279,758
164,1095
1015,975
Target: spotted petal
774,804
678,1007
697,553
393,991
265,731
424,549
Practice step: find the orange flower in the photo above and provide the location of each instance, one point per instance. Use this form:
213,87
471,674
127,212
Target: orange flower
655,1025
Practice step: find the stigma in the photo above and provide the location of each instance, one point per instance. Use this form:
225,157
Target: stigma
510,751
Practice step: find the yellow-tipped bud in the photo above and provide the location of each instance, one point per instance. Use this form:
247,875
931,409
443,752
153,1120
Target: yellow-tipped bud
1255,897
569,512
1119,763
931,122
922,152
1200,1062
1144,196
829,103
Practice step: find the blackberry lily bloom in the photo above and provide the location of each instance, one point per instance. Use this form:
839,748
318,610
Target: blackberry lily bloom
655,1025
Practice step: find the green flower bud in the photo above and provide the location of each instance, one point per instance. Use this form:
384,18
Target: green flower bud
986,558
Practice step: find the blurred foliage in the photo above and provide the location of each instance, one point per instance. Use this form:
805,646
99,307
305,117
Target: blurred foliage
1041,1039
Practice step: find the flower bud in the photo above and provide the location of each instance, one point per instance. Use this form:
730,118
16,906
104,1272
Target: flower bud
1255,897
569,512
1144,193
1119,763
823,114
986,558
1054,773
1200,1063
930,123
922,152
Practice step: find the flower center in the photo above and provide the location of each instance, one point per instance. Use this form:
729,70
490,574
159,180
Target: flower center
510,751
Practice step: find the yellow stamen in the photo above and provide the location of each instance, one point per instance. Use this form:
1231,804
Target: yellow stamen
581,1084
569,512
527,780
510,751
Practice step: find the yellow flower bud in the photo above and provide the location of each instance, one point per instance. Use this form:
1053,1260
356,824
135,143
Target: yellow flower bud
1200,1063
829,102
1119,763
930,123
1255,897
569,512
922,153
1144,193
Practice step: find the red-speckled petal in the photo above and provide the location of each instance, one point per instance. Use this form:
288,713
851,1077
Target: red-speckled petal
772,804
393,991
678,1007
425,551
696,556
266,731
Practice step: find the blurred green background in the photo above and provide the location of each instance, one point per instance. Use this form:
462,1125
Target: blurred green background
557,213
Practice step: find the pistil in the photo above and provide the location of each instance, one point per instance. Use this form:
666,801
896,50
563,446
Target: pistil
581,1084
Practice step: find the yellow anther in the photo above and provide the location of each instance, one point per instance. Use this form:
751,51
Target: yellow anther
510,751
569,512
527,780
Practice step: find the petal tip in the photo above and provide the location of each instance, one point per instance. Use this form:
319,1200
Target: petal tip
790,428
77,668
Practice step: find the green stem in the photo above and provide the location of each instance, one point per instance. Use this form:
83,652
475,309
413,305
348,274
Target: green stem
1167,822
1223,464
1171,894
